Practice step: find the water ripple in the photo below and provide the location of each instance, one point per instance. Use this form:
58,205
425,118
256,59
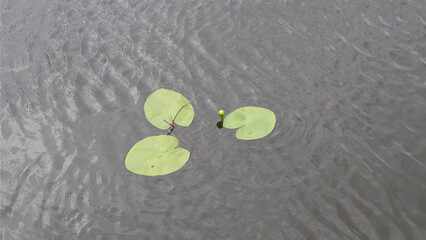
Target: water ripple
343,162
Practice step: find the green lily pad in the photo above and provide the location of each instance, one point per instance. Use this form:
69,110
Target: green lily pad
156,155
165,104
253,122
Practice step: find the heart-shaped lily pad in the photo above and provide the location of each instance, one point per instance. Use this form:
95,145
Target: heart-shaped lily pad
253,122
156,155
165,104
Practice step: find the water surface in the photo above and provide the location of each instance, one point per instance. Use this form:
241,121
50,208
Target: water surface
349,165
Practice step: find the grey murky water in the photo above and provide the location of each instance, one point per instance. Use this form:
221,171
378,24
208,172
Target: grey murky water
75,76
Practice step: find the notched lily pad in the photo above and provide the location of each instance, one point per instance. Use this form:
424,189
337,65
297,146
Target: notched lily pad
155,156
252,122
165,104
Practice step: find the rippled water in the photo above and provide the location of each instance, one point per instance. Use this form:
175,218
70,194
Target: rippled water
349,165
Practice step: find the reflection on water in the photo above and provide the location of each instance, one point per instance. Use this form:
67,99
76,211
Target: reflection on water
344,165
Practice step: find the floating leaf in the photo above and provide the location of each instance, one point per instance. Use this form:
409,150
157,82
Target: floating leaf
253,122
165,104
156,155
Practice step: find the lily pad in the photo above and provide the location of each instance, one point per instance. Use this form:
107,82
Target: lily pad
156,155
253,122
165,104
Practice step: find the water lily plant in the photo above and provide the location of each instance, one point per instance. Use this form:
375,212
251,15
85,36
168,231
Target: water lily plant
165,106
252,122
158,155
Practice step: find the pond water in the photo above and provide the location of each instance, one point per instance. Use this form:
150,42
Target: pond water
343,162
